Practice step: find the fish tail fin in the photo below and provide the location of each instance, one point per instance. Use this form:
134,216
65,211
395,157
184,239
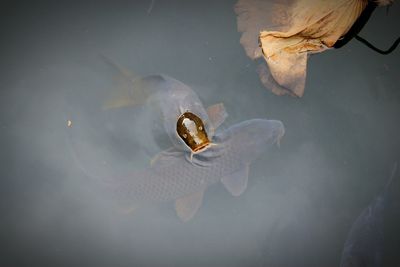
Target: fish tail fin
129,90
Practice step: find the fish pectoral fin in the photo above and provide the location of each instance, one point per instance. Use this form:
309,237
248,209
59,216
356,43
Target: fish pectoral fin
187,206
217,114
165,155
236,182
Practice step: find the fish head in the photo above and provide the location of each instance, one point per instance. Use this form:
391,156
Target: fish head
186,121
190,128
250,138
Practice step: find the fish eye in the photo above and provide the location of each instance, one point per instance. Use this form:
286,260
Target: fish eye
200,127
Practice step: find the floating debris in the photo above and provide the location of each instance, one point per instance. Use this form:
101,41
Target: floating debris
285,33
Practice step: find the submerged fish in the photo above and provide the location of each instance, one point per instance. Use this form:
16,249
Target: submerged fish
199,156
364,244
171,177
186,121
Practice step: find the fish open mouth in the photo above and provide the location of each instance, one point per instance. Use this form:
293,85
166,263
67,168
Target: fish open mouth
201,147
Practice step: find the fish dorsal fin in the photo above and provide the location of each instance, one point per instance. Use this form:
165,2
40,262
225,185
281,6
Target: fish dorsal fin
121,70
166,155
129,89
187,206
120,93
217,114
236,182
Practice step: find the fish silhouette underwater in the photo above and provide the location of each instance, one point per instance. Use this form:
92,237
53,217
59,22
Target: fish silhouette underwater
200,155
364,244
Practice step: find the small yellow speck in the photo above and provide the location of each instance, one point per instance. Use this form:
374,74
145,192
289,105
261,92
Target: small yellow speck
69,123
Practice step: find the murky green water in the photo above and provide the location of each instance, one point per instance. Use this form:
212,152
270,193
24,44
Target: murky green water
341,140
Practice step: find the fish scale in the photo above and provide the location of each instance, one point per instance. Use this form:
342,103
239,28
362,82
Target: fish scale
179,177
176,176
